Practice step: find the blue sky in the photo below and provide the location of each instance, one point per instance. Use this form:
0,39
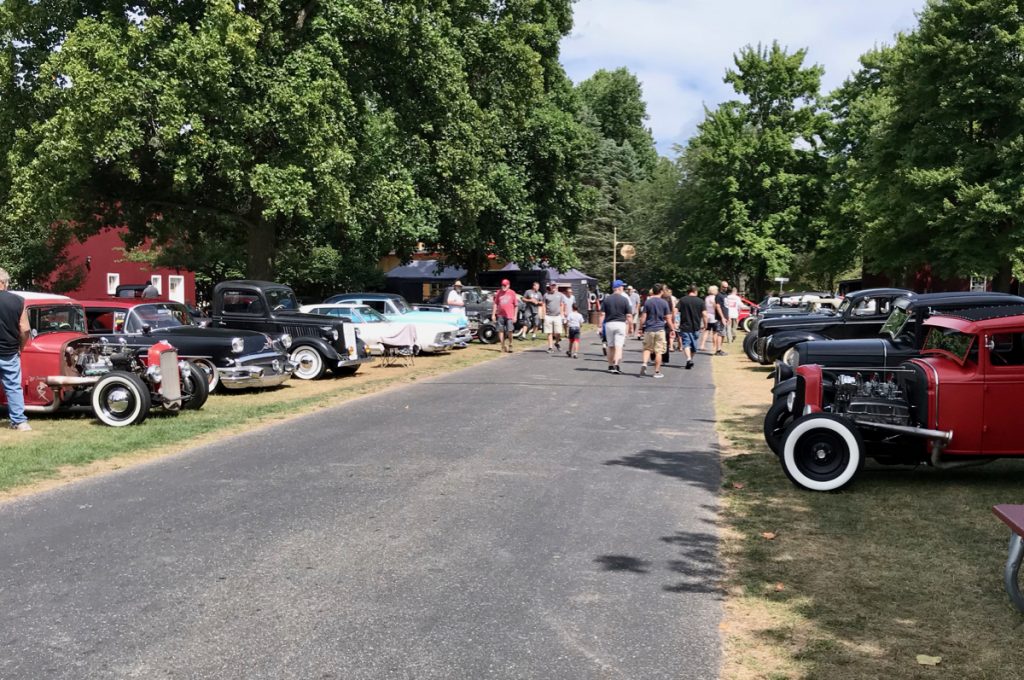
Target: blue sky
680,49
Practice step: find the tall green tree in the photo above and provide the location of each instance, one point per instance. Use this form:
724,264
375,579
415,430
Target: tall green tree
616,99
947,188
753,174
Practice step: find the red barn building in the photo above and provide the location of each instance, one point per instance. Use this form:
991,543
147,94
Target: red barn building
101,261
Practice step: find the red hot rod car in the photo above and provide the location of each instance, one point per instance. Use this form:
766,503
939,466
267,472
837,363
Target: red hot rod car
956,405
62,367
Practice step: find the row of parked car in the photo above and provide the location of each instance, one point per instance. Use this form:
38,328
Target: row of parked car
898,377
123,356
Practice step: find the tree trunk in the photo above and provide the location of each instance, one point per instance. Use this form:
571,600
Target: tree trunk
260,248
1003,278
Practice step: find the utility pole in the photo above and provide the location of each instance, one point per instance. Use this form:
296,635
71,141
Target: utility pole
628,252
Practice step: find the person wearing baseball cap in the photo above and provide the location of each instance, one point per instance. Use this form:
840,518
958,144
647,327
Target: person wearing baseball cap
616,316
554,312
503,313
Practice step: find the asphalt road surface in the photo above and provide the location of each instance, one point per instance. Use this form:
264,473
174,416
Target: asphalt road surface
532,517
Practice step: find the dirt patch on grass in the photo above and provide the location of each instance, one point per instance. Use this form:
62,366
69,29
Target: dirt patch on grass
68,447
856,584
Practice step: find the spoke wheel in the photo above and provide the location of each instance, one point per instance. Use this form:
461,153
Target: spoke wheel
120,399
309,363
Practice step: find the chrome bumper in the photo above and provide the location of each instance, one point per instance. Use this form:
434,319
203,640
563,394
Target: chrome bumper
356,362
242,377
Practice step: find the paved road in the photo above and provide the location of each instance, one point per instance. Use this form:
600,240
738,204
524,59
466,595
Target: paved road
533,517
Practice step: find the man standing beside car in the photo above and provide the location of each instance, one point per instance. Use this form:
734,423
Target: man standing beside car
504,310
14,333
454,299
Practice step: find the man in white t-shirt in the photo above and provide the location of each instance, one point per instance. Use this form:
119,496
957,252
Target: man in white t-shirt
732,310
455,299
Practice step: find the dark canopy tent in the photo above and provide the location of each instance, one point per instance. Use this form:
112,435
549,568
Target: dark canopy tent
421,278
521,280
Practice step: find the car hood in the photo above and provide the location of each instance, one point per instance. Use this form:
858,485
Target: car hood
798,322
435,318
851,353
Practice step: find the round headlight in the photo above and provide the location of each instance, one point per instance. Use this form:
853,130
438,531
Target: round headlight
334,334
790,400
237,345
792,357
286,340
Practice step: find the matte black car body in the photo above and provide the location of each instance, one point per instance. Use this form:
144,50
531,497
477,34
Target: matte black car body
861,315
233,358
318,342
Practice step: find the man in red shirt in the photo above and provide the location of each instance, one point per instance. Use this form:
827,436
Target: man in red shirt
504,312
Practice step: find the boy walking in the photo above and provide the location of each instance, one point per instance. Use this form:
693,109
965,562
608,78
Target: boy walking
575,324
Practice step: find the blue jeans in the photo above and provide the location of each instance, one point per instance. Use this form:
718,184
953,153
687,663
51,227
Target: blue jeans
10,375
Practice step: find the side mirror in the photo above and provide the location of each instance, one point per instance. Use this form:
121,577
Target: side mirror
34,333
990,343
146,329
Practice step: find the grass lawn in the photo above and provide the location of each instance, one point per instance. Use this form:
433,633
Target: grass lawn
857,584
72,445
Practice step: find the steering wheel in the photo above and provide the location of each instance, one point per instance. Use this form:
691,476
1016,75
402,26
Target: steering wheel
279,307
65,326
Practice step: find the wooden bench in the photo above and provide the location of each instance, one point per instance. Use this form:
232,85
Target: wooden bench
1013,517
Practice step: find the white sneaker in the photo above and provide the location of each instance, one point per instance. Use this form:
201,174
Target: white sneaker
643,370
659,375
22,427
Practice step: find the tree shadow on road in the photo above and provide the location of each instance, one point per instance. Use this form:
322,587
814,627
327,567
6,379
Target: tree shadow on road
700,468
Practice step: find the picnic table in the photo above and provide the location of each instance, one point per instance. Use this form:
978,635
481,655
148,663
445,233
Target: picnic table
1013,517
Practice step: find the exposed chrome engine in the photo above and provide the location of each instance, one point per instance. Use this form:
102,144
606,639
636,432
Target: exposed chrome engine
875,399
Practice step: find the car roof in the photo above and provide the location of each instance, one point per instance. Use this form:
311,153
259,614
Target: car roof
123,303
365,296
980,319
964,299
29,296
872,292
252,283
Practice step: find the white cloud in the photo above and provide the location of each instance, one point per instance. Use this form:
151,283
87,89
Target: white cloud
680,49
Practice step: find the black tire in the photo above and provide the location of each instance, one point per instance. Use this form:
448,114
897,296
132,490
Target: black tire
346,370
195,389
488,334
309,365
749,347
210,371
776,421
822,452
120,399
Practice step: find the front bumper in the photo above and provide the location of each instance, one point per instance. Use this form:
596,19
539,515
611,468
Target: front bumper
265,371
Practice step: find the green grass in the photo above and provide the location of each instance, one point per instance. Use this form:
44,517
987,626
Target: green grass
903,562
75,440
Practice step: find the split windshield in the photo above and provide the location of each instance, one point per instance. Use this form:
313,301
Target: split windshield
895,323
157,315
956,345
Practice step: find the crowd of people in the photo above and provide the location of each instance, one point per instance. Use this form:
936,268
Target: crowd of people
660,319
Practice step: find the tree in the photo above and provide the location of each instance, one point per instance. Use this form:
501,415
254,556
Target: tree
616,100
947,188
753,174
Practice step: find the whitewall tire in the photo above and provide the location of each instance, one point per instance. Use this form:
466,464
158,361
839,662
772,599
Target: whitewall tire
309,365
822,452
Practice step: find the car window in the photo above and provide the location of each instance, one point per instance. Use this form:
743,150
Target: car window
281,299
401,305
1006,349
895,323
100,320
56,319
243,302
958,346
378,305
371,315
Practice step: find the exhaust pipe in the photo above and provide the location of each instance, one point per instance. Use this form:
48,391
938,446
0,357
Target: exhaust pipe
941,437
70,380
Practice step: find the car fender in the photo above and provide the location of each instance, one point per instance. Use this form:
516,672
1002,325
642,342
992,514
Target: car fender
781,341
784,387
319,344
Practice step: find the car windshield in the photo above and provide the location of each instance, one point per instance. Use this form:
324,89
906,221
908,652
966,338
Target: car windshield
281,299
370,315
56,318
955,344
157,315
401,305
843,306
894,324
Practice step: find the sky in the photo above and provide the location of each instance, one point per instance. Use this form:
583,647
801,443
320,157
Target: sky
680,49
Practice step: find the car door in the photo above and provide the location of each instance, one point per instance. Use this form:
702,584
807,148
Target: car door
864,318
1003,393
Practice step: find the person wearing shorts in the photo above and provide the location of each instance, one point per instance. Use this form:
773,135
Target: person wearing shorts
655,319
616,316
534,300
554,312
691,320
504,310
574,325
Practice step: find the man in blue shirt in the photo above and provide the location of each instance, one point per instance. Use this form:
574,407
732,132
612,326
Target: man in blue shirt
654,319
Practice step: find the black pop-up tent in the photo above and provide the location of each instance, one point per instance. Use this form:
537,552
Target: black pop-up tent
418,279
522,279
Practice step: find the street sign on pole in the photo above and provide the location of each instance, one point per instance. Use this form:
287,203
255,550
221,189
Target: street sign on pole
782,281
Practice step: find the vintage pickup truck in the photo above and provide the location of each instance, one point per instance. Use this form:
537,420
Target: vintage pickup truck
318,342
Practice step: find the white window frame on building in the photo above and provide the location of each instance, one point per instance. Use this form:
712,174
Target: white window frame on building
176,287
158,283
979,283
113,281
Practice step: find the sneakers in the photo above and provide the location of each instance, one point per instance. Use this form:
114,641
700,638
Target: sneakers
643,370
558,345
615,369
21,427
659,374
689,365
611,369
551,350
575,355
720,353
